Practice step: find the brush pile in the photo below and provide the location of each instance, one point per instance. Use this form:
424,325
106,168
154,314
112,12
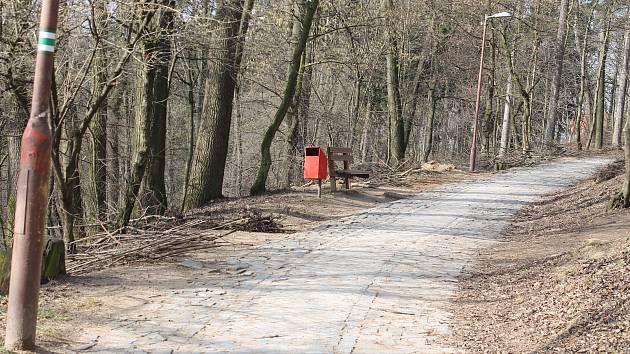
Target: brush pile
160,238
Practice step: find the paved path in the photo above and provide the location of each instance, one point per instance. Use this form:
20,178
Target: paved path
375,282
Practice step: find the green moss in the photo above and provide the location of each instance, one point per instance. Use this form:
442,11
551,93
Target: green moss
54,260
8,232
5,271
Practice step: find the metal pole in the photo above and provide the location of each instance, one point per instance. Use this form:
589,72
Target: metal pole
473,147
32,193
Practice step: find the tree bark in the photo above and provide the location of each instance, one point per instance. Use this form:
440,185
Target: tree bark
153,192
550,132
601,83
149,86
307,9
506,124
487,123
293,120
626,184
394,109
584,99
98,128
525,92
365,135
145,77
208,167
620,100
191,132
428,144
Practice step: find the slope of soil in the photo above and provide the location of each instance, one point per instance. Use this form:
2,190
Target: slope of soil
560,281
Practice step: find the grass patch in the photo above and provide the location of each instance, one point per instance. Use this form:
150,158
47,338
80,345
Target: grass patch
48,313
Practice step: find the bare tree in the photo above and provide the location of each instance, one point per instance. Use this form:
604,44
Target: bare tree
601,89
307,9
152,92
620,99
550,133
394,105
208,164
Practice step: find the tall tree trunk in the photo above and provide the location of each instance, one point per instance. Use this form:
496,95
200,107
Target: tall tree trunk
208,167
293,120
191,83
149,130
354,107
525,125
98,172
394,109
307,11
145,77
506,124
153,192
550,132
524,90
620,100
428,144
367,123
488,117
238,142
304,106
116,112
69,182
626,184
601,89
72,207
584,102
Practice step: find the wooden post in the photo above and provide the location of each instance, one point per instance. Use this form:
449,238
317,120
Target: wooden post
319,188
346,167
331,171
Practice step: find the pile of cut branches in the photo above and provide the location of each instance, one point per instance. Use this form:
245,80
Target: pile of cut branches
161,238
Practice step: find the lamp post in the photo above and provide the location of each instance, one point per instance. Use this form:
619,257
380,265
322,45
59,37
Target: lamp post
473,147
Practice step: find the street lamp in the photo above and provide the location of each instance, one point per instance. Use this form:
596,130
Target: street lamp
473,147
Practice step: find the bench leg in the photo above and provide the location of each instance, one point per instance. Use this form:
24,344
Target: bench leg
333,184
347,182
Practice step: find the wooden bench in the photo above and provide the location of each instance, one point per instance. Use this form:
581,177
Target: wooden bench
344,155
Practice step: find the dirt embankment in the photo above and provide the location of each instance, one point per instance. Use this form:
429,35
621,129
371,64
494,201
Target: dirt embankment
560,281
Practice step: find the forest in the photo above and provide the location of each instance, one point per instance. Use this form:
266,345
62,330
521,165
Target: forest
159,107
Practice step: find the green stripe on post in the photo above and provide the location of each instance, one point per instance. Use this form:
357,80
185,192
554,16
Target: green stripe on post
47,41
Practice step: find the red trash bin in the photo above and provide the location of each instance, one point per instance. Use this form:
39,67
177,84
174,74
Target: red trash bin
315,165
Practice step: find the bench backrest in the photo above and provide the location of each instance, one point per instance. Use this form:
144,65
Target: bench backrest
338,154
